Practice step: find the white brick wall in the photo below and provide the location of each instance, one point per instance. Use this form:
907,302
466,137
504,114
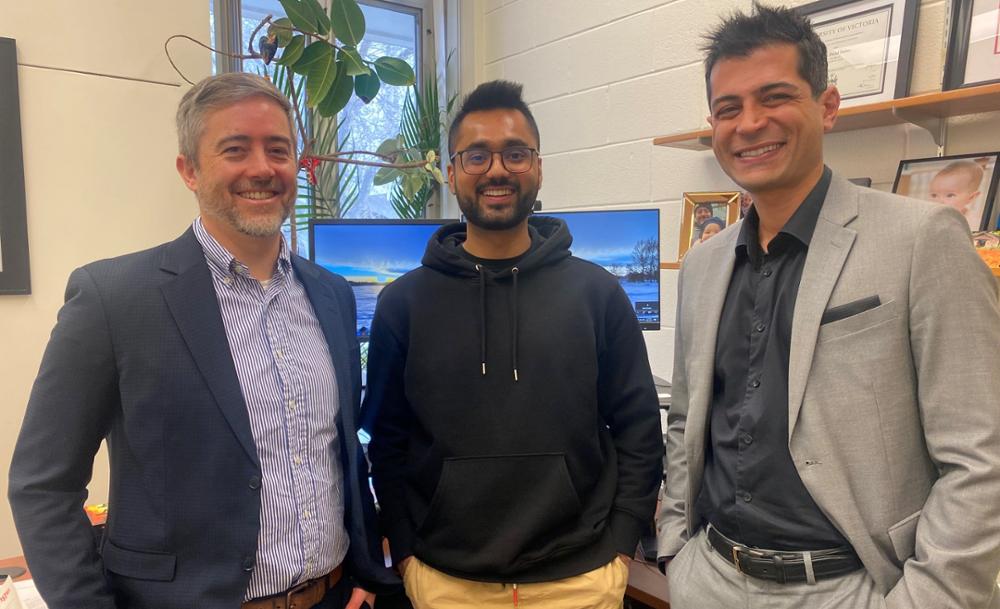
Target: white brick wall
604,77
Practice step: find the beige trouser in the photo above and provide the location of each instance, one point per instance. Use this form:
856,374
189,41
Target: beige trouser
602,588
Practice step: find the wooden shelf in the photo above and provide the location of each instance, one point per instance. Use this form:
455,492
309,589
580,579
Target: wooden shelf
923,110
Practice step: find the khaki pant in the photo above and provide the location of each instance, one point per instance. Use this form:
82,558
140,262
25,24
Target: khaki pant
602,588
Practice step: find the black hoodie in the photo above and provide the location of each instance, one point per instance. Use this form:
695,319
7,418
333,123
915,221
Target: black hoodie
515,430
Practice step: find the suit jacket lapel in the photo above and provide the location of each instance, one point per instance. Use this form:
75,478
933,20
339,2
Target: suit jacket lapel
190,296
711,296
828,250
330,315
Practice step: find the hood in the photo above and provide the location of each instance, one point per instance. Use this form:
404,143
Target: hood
550,241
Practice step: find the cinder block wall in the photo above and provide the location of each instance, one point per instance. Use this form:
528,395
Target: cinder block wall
604,77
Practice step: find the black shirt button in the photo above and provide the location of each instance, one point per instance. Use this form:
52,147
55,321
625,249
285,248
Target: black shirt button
747,438
755,383
247,563
747,497
766,272
255,482
759,327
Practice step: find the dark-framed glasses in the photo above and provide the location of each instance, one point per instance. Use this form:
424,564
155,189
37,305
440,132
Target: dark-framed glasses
477,161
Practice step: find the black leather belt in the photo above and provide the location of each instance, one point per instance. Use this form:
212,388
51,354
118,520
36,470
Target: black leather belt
784,567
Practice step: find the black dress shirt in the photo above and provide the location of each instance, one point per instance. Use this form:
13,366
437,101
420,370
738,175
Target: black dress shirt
751,491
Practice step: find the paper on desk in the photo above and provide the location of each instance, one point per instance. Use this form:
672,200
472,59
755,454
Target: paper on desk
8,596
30,599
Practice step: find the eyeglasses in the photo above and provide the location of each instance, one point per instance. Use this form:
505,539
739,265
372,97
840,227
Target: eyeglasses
477,161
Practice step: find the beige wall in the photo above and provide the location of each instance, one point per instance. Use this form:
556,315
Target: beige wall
97,101
604,77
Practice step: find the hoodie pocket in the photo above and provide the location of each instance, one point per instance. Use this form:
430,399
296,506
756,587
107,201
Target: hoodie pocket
491,514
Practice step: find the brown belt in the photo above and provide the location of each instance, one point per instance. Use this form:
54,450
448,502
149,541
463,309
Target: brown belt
303,596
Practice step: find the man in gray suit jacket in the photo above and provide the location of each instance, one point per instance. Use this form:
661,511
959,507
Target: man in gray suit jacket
223,371
834,437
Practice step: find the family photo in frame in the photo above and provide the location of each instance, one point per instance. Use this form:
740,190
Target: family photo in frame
967,182
869,46
704,215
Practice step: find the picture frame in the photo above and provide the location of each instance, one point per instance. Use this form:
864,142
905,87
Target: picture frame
967,182
723,206
869,44
14,272
973,56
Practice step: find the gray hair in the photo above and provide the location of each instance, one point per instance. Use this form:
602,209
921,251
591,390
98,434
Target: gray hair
215,93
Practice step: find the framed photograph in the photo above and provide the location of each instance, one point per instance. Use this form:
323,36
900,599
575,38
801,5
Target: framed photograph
14,278
967,182
705,214
973,44
869,46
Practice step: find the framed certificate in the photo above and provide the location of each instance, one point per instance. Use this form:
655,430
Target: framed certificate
973,44
14,277
869,46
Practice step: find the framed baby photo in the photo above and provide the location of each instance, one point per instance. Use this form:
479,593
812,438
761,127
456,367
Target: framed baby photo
705,214
973,44
967,182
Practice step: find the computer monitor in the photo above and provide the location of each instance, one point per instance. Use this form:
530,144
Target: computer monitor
370,254
626,242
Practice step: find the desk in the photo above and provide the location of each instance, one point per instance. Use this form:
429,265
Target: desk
16,561
647,585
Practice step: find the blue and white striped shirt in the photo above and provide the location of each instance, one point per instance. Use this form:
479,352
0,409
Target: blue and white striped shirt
286,375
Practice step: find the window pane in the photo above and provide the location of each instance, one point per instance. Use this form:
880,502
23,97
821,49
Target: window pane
388,33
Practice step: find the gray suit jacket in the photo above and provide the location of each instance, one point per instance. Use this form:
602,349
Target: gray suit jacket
893,413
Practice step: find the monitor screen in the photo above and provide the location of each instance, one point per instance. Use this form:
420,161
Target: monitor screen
369,254
626,242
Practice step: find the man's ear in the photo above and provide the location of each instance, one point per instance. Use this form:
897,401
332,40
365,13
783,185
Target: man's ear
830,100
188,172
451,177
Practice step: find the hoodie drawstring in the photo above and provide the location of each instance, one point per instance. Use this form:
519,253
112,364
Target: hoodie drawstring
482,315
482,318
514,271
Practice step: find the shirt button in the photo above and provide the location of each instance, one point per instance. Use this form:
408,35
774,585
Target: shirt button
747,438
755,383
227,280
747,497
297,460
277,353
291,404
247,563
306,514
766,272
759,327
255,482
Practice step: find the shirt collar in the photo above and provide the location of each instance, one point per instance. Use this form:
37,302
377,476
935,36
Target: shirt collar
224,264
800,226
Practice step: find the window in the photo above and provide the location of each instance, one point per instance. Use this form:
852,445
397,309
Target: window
392,29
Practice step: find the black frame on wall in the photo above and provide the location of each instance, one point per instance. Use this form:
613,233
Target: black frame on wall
14,272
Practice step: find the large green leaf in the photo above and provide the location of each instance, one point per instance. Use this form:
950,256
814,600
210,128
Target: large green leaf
386,175
319,16
319,79
348,21
281,29
316,51
293,51
339,95
352,61
366,86
300,15
394,71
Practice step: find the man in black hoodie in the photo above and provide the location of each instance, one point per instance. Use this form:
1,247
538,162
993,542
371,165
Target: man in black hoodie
516,448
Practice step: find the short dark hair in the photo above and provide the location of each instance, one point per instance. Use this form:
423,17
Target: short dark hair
714,220
493,95
740,34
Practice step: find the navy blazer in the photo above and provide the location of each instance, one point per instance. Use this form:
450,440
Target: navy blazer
139,356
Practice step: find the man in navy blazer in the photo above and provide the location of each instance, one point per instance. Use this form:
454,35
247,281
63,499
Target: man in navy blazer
223,372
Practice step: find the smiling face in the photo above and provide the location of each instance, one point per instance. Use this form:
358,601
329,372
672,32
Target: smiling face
244,177
702,213
954,189
497,199
710,229
767,128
